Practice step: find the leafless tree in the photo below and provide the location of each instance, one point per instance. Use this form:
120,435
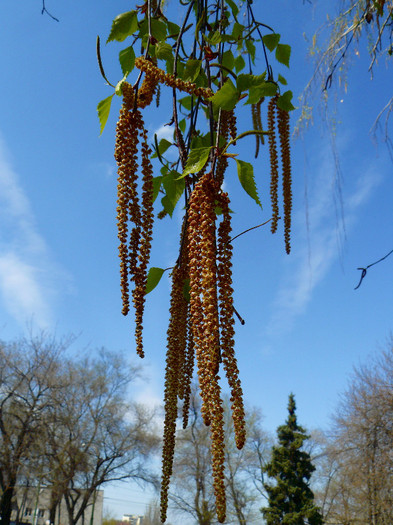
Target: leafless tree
358,486
192,491
29,371
66,424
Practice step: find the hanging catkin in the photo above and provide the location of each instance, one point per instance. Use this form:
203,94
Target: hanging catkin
271,119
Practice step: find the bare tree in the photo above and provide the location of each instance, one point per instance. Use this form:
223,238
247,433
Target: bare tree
359,460
66,424
94,435
192,491
29,372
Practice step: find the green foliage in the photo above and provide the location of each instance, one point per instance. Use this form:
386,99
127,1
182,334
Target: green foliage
271,41
173,185
285,101
196,160
283,53
103,109
245,172
127,60
153,278
123,26
290,499
227,97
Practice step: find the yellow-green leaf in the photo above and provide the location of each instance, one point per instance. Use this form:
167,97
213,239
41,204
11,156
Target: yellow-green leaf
285,101
103,109
122,26
227,97
127,60
283,53
196,160
271,41
153,278
245,173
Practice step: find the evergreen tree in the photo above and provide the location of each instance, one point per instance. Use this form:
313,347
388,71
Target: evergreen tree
291,501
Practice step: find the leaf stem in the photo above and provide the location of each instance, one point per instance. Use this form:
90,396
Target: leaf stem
245,134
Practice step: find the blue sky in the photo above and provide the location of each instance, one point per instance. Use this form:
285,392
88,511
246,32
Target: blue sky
305,327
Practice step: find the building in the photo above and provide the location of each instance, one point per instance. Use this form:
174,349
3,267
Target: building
132,519
32,508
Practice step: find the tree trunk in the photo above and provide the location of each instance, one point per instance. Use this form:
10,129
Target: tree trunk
6,504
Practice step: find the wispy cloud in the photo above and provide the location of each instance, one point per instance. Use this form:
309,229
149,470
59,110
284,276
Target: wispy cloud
25,266
319,244
164,132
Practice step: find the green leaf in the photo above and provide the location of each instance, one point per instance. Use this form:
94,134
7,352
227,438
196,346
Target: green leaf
271,41
246,81
282,80
214,38
186,102
174,187
173,29
239,63
237,30
196,160
127,60
283,53
182,125
153,278
156,186
285,101
250,46
227,97
267,89
163,145
192,69
245,173
158,29
103,109
163,51
228,60
233,6
123,26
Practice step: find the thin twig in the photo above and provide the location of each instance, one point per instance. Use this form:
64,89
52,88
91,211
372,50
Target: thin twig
253,228
242,321
44,10
364,270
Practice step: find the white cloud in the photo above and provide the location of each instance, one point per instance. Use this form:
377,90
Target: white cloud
21,290
313,258
25,266
164,132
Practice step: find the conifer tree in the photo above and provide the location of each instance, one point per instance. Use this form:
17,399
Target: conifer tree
291,501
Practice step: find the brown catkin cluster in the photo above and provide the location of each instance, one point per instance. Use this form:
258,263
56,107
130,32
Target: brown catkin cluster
147,90
134,222
174,382
140,279
271,122
227,322
283,131
231,117
227,127
205,321
279,118
170,80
